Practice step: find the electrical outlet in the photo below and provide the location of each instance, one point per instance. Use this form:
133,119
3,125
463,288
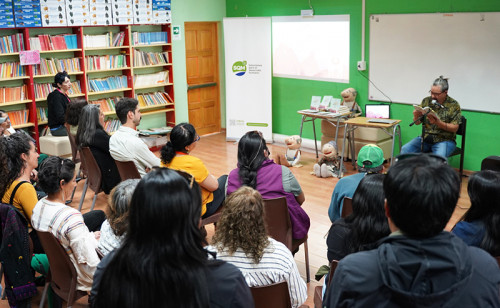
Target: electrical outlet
306,13
361,65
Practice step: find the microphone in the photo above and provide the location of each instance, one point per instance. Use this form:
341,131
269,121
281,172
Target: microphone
436,104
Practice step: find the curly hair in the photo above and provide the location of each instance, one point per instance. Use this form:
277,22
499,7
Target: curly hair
74,110
52,171
118,205
242,224
15,145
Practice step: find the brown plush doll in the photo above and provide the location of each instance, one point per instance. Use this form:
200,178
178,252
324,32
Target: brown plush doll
291,157
349,100
329,164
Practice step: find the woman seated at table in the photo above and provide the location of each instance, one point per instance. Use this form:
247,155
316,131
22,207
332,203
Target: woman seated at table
256,170
176,155
241,239
91,134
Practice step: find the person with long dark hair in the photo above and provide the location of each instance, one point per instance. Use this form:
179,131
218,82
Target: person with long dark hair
57,102
176,155
91,134
367,223
241,239
257,170
73,113
162,262
57,178
480,226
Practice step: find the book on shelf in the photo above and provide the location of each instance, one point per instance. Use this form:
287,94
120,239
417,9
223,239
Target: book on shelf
19,117
106,104
104,40
153,99
105,62
54,66
12,43
44,89
41,114
11,69
112,125
143,58
149,38
13,94
106,84
151,79
45,42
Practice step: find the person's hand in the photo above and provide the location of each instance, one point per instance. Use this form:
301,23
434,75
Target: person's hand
147,169
416,113
97,235
34,175
433,119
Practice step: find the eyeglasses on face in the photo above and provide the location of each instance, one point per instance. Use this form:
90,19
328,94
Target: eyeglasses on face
435,94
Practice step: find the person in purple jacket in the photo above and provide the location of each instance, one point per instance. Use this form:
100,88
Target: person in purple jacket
257,170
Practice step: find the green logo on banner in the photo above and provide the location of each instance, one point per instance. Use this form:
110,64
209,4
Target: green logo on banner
240,68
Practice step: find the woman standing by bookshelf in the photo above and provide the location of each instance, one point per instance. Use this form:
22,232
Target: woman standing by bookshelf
57,102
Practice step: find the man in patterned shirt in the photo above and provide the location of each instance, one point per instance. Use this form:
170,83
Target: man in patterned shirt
441,124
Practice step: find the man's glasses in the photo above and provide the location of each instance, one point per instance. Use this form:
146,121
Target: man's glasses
435,94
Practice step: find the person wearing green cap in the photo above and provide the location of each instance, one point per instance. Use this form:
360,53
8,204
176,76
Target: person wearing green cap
370,160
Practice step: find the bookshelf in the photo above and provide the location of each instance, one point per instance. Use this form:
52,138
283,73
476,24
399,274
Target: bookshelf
104,63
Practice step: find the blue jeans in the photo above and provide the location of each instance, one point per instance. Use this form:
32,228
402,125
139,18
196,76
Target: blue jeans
444,148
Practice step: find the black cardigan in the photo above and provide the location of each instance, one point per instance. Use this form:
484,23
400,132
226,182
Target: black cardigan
57,103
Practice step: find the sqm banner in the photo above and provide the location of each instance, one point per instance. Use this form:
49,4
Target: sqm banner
247,44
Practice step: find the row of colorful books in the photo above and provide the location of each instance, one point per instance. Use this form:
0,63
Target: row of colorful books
19,117
53,66
41,114
112,125
106,84
43,89
105,62
151,79
11,69
13,94
104,40
149,38
12,43
153,99
53,42
107,104
143,58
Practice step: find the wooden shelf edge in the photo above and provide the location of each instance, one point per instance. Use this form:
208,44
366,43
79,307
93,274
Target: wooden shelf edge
154,106
154,65
151,45
108,70
110,91
52,75
104,48
43,122
158,111
15,78
9,54
29,124
153,86
26,101
59,50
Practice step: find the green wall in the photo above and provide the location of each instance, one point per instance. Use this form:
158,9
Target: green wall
290,95
189,11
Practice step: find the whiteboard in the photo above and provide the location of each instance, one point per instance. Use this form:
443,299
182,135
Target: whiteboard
409,51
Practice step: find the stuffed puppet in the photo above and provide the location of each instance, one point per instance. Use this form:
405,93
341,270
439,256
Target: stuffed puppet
291,158
329,164
349,100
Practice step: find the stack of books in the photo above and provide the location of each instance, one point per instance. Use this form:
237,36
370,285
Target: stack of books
19,117
143,58
105,62
41,114
106,104
43,89
12,43
145,80
149,38
11,69
104,40
54,66
107,84
13,94
112,125
154,99
46,42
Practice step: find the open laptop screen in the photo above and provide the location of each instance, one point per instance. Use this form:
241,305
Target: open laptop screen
377,111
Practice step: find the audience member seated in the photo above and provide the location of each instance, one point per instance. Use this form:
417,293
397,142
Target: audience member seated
125,144
91,134
114,227
162,262
480,226
73,113
22,159
6,128
419,264
257,170
176,155
365,226
57,178
241,239
370,160
57,102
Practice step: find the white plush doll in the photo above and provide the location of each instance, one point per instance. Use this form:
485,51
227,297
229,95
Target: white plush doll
329,164
291,158
349,100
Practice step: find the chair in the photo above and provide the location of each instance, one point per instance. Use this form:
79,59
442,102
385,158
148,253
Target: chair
346,207
491,163
127,170
461,150
279,227
62,274
214,218
75,156
94,177
272,296
318,291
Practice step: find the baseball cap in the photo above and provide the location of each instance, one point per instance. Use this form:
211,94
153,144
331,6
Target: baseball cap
370,156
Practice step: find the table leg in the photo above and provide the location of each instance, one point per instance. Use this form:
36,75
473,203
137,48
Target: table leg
302,125
340,173
315,141
395,130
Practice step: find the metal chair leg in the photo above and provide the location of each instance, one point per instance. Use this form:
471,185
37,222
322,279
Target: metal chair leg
83,195
44,294
306,252
93,202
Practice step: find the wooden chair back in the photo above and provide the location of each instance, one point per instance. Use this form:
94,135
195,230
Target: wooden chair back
127,170
277,220
93,170
272,296
75,156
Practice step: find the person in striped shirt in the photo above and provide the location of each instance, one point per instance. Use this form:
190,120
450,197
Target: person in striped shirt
241,239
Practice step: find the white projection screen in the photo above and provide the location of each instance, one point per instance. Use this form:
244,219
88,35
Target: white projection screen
315,48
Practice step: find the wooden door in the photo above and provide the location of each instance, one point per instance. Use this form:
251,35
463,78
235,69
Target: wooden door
202,70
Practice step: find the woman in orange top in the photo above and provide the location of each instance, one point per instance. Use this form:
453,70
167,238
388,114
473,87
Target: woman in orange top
175,155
